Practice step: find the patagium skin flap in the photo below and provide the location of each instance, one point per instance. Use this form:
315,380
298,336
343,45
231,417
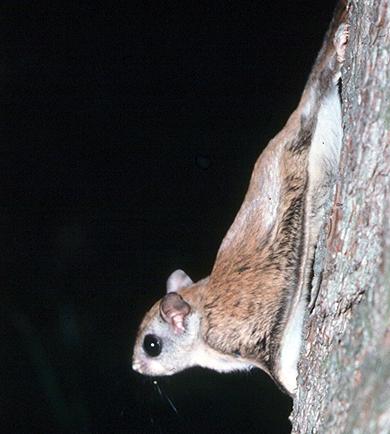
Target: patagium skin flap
249,312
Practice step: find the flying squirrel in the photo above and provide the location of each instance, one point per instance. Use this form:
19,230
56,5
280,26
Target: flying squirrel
250,311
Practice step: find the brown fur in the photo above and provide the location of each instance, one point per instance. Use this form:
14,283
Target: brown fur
257,266
260,267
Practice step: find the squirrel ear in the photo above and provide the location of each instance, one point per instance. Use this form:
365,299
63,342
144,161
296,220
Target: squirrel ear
173,310
177,280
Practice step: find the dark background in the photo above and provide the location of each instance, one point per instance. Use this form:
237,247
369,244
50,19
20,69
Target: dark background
128,137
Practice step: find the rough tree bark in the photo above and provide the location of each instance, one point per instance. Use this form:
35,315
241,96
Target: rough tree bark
344,384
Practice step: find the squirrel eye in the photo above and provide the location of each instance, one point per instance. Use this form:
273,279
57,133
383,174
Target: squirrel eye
152,345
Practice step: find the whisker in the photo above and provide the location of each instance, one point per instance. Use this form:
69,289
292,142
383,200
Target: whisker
164,395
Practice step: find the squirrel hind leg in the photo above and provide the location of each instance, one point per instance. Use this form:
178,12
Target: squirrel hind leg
340,41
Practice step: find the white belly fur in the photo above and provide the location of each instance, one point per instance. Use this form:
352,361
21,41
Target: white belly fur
323,164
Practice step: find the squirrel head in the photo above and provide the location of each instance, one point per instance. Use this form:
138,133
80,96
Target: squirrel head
169,334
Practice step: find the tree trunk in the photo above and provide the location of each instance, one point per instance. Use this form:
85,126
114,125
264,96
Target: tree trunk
344,380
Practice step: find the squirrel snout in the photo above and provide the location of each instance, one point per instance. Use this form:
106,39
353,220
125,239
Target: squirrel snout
137,366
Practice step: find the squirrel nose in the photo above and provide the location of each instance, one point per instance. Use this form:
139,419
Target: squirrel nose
137,366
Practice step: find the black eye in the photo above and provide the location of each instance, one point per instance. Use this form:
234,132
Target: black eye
152,345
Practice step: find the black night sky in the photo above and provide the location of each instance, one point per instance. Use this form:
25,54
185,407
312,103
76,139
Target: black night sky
128,137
